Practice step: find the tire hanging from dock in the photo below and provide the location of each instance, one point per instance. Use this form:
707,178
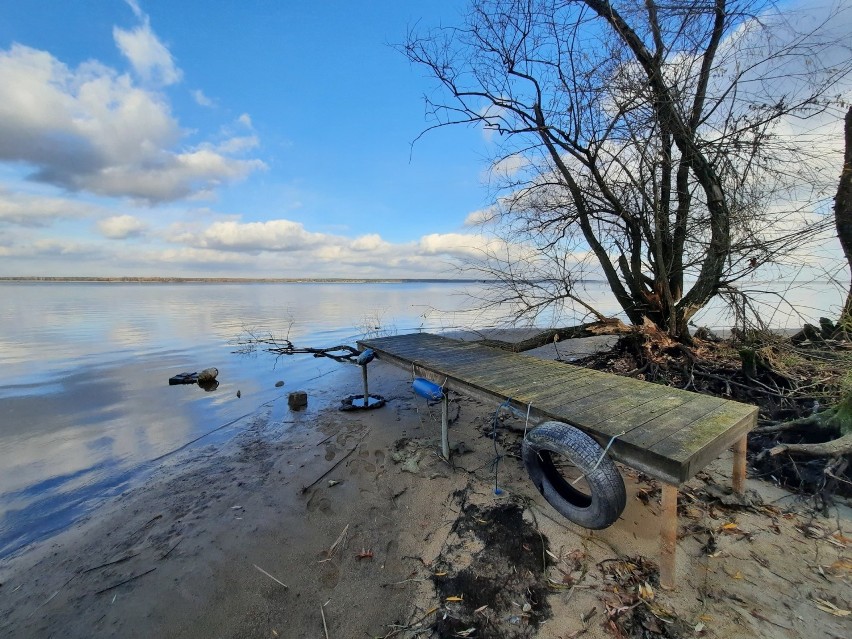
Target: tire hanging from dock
607,498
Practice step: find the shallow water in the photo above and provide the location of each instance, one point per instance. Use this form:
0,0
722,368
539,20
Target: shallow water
85,405
84,397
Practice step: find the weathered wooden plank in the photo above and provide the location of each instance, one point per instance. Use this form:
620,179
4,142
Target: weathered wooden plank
618,406
672,418
583,397
701,442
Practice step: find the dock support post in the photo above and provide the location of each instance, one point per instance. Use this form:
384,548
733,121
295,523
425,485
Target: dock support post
445,425
739,475
668,536
366,390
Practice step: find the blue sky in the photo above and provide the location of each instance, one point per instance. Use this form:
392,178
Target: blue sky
253,138
258,138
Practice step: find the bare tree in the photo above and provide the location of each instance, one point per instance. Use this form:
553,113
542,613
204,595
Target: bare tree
669,145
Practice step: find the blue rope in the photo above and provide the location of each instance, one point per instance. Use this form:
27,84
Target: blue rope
497,456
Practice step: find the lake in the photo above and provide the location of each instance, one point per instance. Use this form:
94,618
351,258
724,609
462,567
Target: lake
85,405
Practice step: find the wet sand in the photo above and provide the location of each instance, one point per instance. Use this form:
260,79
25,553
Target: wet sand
236,540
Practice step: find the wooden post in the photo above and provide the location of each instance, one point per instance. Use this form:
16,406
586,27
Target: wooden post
445,438
668,536
366,389
739,476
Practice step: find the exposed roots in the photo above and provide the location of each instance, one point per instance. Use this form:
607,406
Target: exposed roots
799,443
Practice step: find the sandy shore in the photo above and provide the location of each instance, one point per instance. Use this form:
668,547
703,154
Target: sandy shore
227,541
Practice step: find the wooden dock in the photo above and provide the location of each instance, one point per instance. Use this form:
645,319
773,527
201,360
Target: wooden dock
667,433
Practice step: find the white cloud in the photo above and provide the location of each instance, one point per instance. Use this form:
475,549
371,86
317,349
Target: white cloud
237,144
48,247
372,242
91,129
120,227
460,245
134,6
150,58
274,235
509,166
300,251
23,209
201,99
245,120
481,216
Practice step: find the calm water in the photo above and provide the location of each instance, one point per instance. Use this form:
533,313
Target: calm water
85,404
84,368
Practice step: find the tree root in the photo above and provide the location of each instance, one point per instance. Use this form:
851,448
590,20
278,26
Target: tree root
833,448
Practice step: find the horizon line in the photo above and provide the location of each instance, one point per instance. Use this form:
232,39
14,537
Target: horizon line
236,280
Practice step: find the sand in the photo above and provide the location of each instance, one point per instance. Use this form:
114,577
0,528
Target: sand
226,541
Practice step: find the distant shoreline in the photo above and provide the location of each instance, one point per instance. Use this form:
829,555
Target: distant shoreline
240,280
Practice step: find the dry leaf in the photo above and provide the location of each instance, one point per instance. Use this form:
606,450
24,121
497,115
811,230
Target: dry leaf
646,591
841,564
455,598
827,606
840,539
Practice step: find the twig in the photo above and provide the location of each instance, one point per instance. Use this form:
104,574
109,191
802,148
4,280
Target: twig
324,627
110,563
281,583
325,440
339,461
335,544
148,523
121,583
404,581
169,551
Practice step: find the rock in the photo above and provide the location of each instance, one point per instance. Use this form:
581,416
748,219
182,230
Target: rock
279,383
411,464
207,375
297,400
183,378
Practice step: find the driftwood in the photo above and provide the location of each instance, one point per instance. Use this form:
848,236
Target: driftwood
835,420
545,337
283,346
833,448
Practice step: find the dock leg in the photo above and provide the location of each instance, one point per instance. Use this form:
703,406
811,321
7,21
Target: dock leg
738,481
445,426
668,536
366,389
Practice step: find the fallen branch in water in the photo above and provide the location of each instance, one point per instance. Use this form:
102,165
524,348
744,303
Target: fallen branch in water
283,346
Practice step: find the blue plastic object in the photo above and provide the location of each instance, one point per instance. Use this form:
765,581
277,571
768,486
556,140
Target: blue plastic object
365,357
427,389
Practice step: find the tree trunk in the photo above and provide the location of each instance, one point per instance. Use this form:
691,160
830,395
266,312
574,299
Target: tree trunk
843,214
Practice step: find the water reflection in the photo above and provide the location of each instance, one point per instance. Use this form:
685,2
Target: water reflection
85,403
84,397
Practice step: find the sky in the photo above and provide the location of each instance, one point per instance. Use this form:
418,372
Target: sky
243,139
225,138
